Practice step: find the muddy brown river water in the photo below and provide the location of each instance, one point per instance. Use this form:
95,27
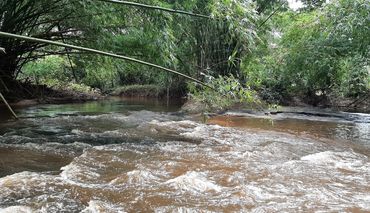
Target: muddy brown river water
146,156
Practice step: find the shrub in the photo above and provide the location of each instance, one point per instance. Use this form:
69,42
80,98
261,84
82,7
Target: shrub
226,93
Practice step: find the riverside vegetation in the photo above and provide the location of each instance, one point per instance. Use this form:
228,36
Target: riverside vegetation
247,50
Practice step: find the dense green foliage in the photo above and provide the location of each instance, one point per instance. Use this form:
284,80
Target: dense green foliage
312,4
228,92
184,43
317,52
314,54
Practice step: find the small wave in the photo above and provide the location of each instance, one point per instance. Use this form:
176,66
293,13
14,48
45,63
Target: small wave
175,125
132,118
111,133
22,185
181,210
307,114
77,132
175,146
77,173
342,160
96,206
52,148
136,177
365,204
194,182
16,139
93,169
17,209
195,131
21,178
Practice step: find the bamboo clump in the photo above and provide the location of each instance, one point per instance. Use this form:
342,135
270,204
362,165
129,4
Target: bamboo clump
38,40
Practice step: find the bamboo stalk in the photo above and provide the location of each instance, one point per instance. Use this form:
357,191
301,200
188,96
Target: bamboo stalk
5,87
38,40
9,107
156,8
273,13
68,57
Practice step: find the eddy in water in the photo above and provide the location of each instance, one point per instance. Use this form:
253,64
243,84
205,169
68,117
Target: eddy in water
120,156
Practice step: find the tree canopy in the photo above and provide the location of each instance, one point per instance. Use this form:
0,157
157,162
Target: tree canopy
320,50
315,53
191,46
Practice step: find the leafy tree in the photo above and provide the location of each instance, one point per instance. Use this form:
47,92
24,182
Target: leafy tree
61,20
267,6
315,53
189,45
312,4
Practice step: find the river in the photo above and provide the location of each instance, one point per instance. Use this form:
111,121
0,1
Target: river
125,155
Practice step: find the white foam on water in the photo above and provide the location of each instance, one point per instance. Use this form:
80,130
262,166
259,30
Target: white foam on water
77,132
301,114
82,172
43,192
342,160
260,172
17,209
258,193
21,181
114,133
181,210
71,170
199,132
175,147
134,117
96,206
15,139
141,177
103,167
104,133
69,149
136,178
77,174
208,134
365,198
193,182
180,126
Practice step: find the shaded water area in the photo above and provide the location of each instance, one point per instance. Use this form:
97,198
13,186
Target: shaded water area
145,156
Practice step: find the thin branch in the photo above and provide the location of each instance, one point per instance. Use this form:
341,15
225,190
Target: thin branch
156,8
273,13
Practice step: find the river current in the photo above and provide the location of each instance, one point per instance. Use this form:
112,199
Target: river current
147,156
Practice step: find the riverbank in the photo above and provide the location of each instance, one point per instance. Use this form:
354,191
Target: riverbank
361,105
349,104
148,91
26,94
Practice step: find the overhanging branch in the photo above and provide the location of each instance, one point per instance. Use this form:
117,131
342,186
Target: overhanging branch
156,8
38,40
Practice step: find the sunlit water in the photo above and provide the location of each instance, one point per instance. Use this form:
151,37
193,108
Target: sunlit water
134,156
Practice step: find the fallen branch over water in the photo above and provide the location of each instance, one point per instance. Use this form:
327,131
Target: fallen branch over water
7,105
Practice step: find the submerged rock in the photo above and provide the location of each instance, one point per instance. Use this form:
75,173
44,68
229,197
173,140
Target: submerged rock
193,106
